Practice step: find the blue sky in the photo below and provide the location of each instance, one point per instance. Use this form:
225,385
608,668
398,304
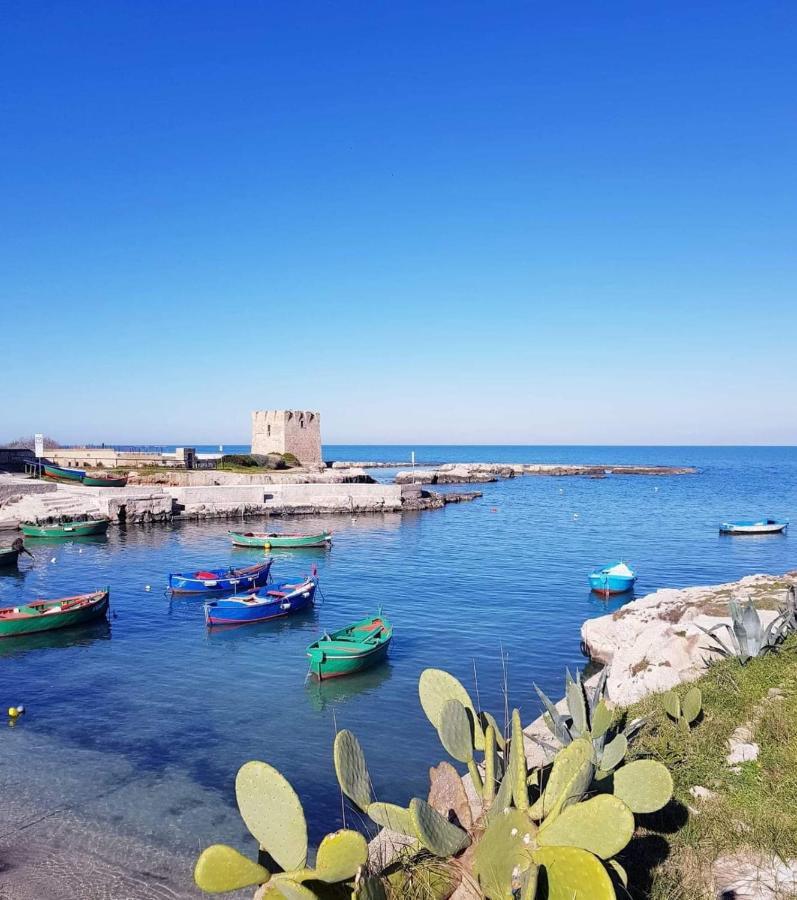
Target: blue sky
433,222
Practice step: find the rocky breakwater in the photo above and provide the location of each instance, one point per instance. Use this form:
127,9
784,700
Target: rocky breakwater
482,473
656,642
219,477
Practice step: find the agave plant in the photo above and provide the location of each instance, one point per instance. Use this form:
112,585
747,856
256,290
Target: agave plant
589,716
746,636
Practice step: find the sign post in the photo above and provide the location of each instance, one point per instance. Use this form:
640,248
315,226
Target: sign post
38,445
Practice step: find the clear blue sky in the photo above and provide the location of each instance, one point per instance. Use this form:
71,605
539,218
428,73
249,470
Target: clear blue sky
433,222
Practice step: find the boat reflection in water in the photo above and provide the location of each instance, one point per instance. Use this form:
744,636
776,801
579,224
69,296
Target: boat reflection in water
74,638
334,691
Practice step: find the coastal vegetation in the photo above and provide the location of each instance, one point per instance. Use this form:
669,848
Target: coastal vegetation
253,462
658,801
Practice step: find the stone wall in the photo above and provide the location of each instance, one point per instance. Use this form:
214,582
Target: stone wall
288,431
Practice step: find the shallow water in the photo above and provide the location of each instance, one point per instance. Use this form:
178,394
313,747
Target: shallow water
143,721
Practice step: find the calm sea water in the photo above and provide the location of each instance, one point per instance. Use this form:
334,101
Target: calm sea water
143,722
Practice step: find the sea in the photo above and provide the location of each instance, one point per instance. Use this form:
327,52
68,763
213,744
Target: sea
136,727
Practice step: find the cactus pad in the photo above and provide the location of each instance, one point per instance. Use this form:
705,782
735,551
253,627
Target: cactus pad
517,766
281,888
273,813
603,825
455,731
369,888
644,785
503,852
619,871
221,868
351,769
568,780
692,704
435,689
574,874
388,815
671,704
434,832
614,752
340,855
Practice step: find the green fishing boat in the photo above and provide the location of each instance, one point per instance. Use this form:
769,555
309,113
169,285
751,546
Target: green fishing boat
47,615
279,539
100,481
70,528
10,555
352,649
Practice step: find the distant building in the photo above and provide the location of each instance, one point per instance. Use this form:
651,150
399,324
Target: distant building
288,431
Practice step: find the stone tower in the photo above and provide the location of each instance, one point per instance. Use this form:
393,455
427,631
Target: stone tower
288,431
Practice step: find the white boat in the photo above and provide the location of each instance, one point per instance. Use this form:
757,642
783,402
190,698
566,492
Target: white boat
762,526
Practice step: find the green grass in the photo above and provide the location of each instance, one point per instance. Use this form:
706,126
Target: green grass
670,857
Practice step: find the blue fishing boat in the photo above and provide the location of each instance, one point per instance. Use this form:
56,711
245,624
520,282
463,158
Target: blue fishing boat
268,603
616,578
215,581
762,526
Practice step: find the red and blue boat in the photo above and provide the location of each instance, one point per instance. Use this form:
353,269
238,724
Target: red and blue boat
268,603
217,581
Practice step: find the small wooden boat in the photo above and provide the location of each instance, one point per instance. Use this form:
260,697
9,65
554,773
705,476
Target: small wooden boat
762,526
616,578
279,539
352,649
268,603
70,528
10,555
102,481
62,474
231,580
47,615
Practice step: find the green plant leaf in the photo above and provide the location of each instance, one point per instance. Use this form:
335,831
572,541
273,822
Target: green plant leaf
601,720
603,825
340,855
437,834
221,868
435,689
671,704
388,815
614,752
574,874
644,785
455,731
692,704
351,769
273,813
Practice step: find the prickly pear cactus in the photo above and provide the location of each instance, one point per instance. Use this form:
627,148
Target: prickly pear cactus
614,752
692,705
568,780
574,874
503,853
435,689
340,855
435,833
603,825
273,813
221,868
644,785
456,731
671,704
517,772
396,818
369,888
351,769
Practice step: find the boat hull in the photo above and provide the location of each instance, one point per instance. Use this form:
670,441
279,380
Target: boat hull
51,471
325,665
753,527
236,581
350,650
8,556
607,585
91,481
93,607
267,541
261,607
67,530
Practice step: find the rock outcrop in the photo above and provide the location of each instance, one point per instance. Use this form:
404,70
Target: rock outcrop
654,643
467,473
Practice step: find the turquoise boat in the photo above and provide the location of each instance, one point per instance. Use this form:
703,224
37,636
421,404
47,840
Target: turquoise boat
267,540
59,473
351,649
616,578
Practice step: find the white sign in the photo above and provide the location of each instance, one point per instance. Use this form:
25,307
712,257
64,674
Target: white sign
38,444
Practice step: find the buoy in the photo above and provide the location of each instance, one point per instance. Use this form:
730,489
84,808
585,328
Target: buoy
52,560
494,509
575,515
148,588
80,550
13,712
20,709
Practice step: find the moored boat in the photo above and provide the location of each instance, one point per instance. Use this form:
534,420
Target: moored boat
762,526
228,579
268,603
616,578
47,615
351,649
10,555
102,481
62,474
279,539
69,528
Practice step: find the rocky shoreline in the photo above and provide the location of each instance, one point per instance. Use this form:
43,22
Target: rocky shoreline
482,473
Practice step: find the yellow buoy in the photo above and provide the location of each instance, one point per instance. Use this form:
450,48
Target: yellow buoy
13,712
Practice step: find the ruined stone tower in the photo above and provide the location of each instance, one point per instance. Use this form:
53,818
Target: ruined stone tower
288,431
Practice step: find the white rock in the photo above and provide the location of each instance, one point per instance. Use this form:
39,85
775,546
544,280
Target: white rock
749,875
